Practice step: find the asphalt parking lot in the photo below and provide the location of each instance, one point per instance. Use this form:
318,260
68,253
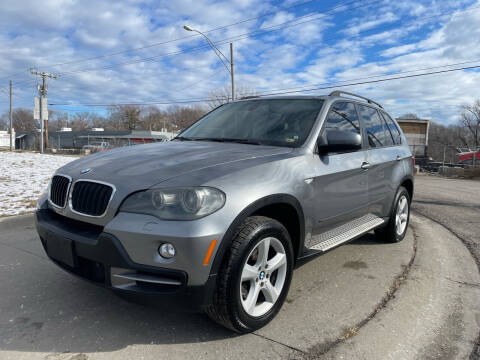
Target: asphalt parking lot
415,299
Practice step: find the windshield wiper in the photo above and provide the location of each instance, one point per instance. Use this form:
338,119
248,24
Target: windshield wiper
182,138
233,140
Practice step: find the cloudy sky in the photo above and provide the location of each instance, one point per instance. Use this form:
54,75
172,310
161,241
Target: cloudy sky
107,52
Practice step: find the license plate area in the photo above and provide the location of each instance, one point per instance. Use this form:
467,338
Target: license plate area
61,249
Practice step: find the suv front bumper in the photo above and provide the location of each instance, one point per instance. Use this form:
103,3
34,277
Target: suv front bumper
90,253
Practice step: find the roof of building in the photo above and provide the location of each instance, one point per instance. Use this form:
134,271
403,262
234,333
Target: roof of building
413,120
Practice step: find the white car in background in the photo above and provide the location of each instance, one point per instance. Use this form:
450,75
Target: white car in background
97,146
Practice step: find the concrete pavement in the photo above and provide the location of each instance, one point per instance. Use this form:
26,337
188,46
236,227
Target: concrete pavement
334,300
435,313
454,203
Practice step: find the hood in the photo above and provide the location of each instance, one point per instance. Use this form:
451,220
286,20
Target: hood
142,166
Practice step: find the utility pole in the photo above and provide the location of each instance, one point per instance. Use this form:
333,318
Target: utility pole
42,92
232,72
11,118
444,151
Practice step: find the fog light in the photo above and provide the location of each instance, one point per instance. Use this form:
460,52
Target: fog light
166,251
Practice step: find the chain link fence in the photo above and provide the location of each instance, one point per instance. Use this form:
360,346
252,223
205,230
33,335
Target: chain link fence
450,160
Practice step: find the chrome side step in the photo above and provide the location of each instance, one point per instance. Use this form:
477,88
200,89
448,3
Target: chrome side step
148,279
346,232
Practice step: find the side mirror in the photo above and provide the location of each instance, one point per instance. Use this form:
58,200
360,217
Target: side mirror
338,141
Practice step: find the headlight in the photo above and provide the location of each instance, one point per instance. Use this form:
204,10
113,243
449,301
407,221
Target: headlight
187,203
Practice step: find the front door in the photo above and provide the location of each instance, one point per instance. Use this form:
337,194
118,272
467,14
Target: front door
341,185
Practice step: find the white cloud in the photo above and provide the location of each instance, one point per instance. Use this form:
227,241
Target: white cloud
363,23
53,32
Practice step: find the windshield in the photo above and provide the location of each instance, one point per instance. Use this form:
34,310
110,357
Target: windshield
279,122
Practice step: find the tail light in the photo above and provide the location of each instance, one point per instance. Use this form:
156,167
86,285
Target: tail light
413,160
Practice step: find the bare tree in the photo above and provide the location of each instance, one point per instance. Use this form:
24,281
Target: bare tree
182,117
409,116
80,121
98,121
470,121
223,95
154,119
57,120
125,117
4,121
23,120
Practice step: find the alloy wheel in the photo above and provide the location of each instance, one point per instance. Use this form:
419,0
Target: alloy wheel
401,217
263,277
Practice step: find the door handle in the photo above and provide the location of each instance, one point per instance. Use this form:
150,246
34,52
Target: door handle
399,158
365,165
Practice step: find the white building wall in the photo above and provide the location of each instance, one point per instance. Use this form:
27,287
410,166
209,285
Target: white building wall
5,139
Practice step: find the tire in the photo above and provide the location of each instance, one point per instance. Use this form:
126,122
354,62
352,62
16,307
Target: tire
394,232
234,305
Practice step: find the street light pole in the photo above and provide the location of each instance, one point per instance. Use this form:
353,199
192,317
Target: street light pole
232,72
218,53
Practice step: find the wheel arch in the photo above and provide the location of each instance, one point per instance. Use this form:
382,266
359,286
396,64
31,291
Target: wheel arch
269,206
407,183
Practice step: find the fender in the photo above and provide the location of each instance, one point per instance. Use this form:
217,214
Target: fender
249,210
405,178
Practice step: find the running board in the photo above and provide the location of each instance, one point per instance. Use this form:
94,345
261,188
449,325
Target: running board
346,232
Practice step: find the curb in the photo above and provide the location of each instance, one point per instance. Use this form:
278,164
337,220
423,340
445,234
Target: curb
433,313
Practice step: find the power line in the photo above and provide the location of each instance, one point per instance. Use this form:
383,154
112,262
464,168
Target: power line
243,36
194,35
329,83
380,75
374,31
176,90
186,37
12,75
372,76
283,91
250,34
372,81
411,70
161,102
255,33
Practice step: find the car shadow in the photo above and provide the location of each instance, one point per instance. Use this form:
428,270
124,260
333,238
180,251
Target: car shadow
88,318
44,309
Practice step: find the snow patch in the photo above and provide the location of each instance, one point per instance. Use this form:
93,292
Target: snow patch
24,177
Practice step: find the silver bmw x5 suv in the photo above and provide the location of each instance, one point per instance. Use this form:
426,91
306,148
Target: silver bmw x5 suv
217,218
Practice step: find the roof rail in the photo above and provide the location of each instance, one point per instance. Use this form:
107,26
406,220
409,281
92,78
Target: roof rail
338,92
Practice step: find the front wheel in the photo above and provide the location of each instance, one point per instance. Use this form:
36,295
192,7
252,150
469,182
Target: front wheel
397,225
255,276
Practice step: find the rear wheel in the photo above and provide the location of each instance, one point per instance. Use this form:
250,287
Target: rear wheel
255,276
397,225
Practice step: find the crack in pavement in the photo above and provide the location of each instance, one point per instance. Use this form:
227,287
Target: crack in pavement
463,282
447,203
24,251
464,241
322,348
278,342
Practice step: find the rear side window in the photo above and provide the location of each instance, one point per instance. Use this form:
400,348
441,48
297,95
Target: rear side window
342,116
397,136
377,133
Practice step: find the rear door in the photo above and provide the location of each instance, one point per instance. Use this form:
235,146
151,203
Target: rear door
383,155
341,189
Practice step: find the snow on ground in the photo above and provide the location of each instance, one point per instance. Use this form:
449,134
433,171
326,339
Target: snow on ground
24,177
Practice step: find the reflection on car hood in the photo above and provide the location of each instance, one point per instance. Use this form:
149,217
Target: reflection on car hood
142,166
